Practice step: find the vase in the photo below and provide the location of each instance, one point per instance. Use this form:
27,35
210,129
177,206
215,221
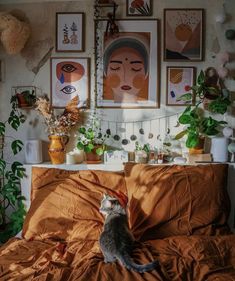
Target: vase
219,149
56,149
231,149
92,157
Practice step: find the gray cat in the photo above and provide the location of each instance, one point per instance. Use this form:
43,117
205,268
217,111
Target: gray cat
116,240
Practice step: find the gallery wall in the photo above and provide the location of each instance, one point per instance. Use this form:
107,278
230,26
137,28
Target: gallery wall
32,66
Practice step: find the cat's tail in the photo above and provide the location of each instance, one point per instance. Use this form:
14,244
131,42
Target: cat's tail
129,264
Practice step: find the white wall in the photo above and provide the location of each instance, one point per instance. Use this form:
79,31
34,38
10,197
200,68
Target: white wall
42,19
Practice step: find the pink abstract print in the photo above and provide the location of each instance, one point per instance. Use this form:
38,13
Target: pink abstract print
183,35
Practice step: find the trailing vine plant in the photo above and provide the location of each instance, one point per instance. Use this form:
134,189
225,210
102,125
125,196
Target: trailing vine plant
12,210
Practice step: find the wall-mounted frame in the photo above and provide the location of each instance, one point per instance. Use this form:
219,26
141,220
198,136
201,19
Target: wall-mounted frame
183,34
70,77
127,65
179,81
25,96
139,7
70,32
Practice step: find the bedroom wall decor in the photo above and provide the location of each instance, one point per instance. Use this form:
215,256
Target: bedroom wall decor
70,32
139,7
70,77
127,65
183,34
180,79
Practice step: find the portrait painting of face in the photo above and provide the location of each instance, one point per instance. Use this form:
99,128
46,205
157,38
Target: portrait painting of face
69,78
127,65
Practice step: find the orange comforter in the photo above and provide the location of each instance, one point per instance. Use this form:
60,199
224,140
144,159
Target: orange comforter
177,213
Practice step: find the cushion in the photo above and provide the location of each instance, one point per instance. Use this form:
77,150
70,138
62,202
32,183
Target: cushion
65,204
167,200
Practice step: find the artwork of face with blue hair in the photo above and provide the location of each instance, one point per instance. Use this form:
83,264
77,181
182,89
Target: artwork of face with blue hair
126,69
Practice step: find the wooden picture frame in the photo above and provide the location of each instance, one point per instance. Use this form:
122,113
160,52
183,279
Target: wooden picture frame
70,32
134,55
70,76
139,8
183,35
179,79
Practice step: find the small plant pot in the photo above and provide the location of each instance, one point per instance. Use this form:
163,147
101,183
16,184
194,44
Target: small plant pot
92,157
199,149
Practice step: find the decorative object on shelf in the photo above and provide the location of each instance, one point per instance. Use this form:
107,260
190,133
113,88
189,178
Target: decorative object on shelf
12,209
179,85
25,96
33,151
227,132
92,141
222,16
70,77
115,156
56,148
142,152
139,7
14,33
219,149
70,35
136,47
183,34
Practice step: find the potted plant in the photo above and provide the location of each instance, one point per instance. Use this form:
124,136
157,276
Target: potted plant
92,141
10,174
198,127
142,152
25,98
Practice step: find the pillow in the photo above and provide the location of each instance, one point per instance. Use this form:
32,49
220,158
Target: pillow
65,204
177,200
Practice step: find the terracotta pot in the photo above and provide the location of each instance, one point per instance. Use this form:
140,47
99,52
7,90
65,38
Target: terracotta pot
199,149
92,157
56,149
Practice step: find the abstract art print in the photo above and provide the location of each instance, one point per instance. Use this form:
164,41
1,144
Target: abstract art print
139,7
179,83
127,73
183,34
70,77
69,32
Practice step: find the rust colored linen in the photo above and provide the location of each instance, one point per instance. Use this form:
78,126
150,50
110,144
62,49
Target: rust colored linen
63,225
65,204
177,200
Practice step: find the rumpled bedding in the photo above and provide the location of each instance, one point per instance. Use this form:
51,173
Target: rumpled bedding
62,227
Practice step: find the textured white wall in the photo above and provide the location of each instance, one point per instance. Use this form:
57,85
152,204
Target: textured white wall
42,19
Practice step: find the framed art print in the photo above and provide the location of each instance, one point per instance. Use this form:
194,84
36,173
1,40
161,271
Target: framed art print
127,65
183,34
70,32
70,77
179,83
139,7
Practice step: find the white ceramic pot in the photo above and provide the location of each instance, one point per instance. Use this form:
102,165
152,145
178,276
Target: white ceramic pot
219,149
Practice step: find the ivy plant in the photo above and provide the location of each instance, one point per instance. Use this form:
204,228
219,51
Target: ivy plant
10,175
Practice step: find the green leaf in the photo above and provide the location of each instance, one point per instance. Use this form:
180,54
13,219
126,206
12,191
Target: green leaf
17,146
181,134
201,78
2,129
82,130
185,119
2,166
80,146
14,121
18,169
99,151
185,97
192,140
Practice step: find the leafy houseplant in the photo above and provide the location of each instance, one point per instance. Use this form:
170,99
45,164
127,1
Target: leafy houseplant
198,126
26,98
142,152
10,175
91,140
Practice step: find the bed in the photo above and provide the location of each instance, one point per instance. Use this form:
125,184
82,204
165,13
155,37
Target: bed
178,215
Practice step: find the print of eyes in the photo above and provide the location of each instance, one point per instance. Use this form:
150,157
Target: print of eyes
68,90
136,69
68,68
115,68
